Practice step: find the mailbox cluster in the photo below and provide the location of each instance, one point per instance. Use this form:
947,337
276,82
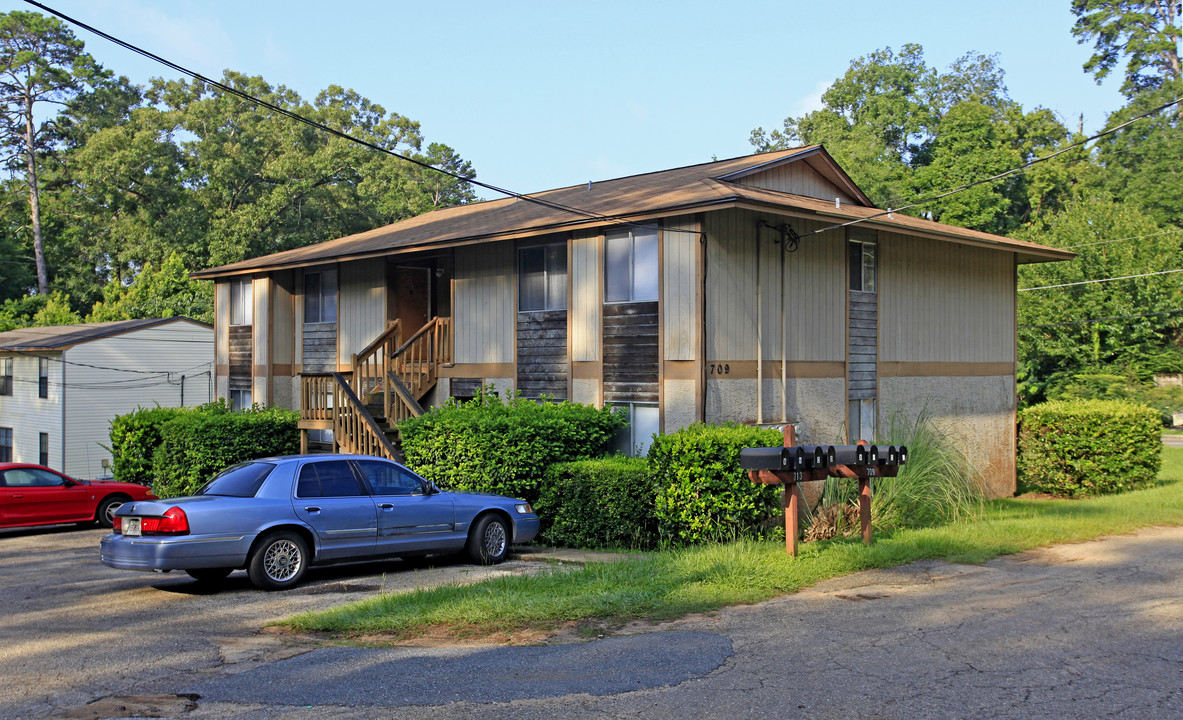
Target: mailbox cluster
797,458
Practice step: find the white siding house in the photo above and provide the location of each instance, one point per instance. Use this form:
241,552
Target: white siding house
67,382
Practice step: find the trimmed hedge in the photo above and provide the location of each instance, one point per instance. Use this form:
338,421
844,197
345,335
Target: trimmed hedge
601,503
701,492
134,437
490,445
1088,447
195,446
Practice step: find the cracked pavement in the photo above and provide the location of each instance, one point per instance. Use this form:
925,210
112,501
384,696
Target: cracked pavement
1087,630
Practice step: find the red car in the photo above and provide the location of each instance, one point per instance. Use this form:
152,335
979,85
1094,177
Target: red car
36,495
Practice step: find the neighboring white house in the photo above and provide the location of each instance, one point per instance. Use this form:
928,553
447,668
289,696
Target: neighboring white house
60,386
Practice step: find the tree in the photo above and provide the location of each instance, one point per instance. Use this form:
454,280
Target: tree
163,293
41,62
1141,31
1057,335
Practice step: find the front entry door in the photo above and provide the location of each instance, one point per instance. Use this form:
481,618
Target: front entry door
412,298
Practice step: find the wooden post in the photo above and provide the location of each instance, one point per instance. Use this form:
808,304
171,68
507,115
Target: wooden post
864,507
792,511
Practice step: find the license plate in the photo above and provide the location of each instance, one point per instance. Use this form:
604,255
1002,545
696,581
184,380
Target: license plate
131,526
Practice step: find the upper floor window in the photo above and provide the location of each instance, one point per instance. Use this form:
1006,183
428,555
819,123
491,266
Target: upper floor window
320,296
861,253
542,278
241,301
6,444
6,376
630,265
42,378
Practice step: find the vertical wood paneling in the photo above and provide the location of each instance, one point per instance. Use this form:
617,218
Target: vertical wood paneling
942,302
798,179
283,319
222,322
584,303
679,287
485,303
361,305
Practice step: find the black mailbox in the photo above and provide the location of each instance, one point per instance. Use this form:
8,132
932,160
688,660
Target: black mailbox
777,458
901,454
851,454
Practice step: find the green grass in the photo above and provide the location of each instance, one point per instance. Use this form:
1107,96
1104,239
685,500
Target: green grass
674,583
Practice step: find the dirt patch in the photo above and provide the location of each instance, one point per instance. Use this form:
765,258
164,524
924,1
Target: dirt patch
140,706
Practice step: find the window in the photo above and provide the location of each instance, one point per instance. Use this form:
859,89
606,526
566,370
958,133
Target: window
43,448
6,376
630,265
6,444
333,478
390,479
320,296
32,477
240,399
542,278
861,425
644,421
242,480
241,302
42,378
862,265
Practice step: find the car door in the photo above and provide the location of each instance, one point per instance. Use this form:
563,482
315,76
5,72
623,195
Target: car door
39,496
411,515
332,501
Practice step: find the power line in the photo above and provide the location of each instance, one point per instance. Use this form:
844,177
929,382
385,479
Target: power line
1118,317
1088,282
1135,237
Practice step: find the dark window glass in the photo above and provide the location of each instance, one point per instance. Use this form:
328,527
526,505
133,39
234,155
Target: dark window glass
242,480
617,267
631,266
320,296
332,478
312,297
389,479
43,378
5,376
241,302
32,477
5,444
855,255
532,279
43,444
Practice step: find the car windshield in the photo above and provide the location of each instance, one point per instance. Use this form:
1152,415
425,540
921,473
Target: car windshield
243,480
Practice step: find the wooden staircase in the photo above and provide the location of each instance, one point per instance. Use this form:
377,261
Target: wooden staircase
388,380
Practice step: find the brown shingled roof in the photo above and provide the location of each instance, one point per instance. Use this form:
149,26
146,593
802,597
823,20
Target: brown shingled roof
636,197
58,337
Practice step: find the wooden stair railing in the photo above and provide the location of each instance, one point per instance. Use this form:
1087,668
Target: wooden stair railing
372,365
354,429
416,363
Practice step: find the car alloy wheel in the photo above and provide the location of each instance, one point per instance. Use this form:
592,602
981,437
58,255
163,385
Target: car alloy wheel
489,542
107,510
279,561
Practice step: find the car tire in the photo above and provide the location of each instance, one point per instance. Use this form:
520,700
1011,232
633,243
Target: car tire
488,543
105,513
209,575
279,561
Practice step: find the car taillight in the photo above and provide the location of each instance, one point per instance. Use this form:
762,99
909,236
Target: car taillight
173,522
117,524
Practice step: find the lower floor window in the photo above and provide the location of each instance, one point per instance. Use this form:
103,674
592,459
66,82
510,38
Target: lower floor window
5,444
644,421
240,399
322,436
43,445
861,421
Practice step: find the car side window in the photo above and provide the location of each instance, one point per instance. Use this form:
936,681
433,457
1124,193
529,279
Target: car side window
32,477
389,479
331,478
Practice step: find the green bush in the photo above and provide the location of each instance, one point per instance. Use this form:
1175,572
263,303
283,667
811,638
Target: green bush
601,503
194,446
701,492
491,445
134,437
1088,447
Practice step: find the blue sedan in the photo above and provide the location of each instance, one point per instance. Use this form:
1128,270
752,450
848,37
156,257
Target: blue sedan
276,516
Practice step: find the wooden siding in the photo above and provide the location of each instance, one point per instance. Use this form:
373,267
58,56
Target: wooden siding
585,306
485,294
630,352
943,302
319,347
283,318
465,387
814,282
93,395
863,329
361,306
797,178
680,288
240,356
542,353
222,323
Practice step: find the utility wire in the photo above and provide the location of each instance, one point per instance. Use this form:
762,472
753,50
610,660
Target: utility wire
1135,237
1088,282
1118,317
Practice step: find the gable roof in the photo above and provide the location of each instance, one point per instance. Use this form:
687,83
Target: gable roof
60,337
694,188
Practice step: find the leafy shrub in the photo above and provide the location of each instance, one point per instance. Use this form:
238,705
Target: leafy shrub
936,485
601,503
701,492
134,437
490,445
194,446
1088,447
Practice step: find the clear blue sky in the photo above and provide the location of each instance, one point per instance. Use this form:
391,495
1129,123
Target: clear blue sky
545,94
